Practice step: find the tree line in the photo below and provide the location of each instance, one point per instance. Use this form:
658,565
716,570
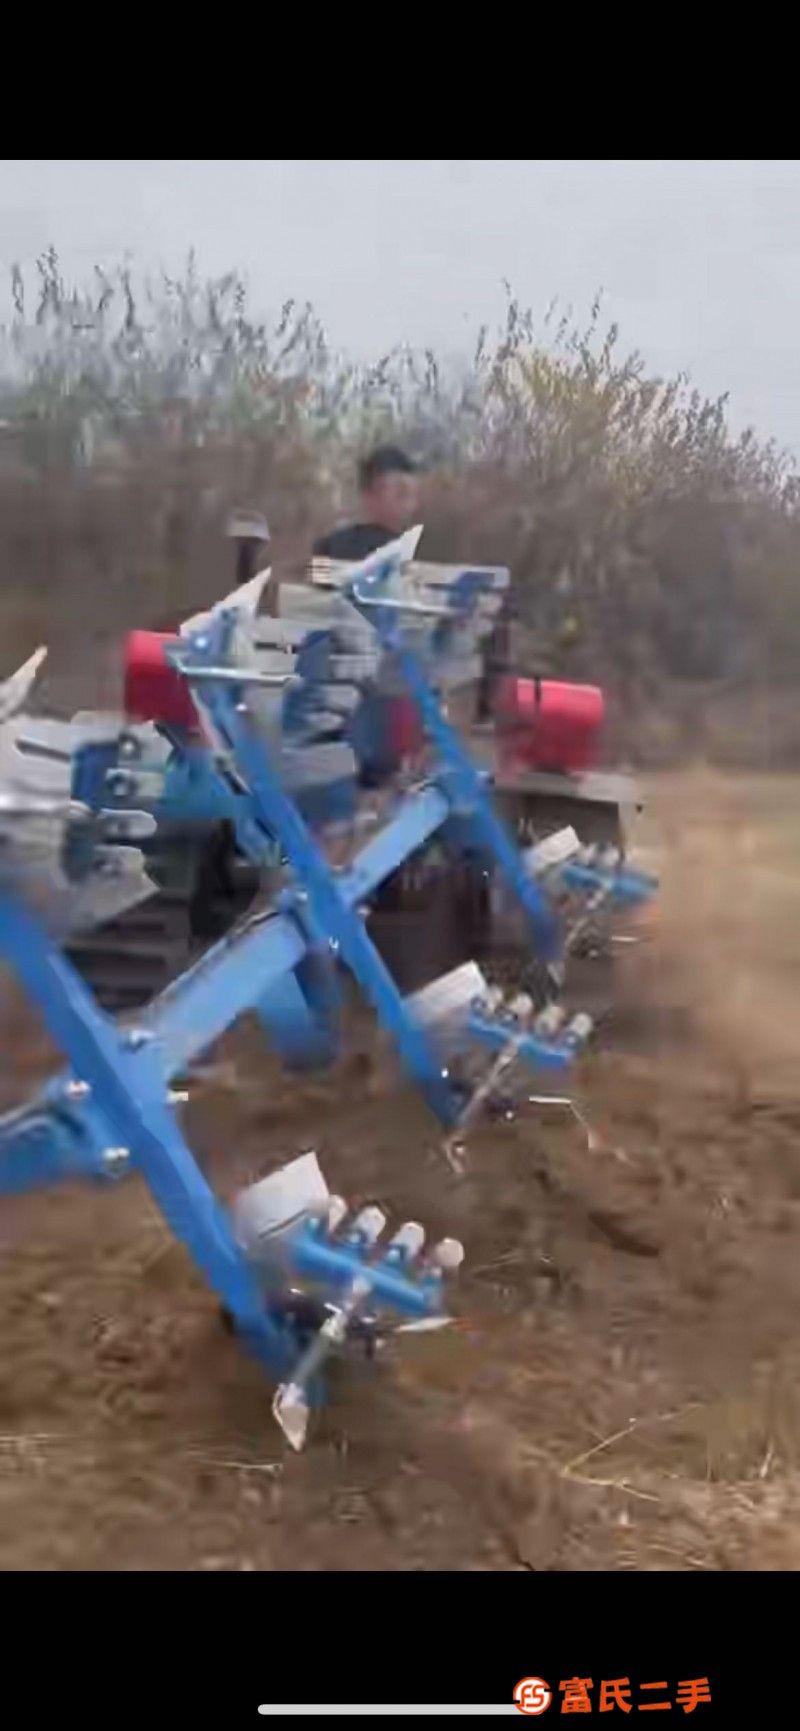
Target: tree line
651,548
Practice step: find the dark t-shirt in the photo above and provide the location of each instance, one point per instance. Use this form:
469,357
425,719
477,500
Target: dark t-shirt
373,727
354,541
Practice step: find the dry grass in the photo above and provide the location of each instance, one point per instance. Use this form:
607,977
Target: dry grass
729,932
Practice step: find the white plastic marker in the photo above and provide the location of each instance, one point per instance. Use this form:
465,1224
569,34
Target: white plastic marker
243,600
14,691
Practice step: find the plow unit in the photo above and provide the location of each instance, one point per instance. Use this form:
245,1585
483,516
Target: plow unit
246,720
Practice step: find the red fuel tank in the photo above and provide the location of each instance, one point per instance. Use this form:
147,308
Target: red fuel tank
548,725
406,733
154,691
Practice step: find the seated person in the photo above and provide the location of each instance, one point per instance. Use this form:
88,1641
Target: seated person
389,502
389,495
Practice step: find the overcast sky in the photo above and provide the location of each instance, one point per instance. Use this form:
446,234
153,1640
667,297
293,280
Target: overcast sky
699,260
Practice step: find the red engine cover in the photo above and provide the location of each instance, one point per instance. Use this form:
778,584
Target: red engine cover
407,735
548,725
154,691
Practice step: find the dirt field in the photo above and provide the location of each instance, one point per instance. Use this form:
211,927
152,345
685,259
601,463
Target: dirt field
623,1391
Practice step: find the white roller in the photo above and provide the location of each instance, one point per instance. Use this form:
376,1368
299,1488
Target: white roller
581,1027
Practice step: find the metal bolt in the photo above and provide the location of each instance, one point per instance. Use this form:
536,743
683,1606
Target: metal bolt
137,1038
77,1090
116,1156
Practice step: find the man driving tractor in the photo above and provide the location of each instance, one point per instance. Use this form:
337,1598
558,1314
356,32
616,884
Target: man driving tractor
386,729
389,492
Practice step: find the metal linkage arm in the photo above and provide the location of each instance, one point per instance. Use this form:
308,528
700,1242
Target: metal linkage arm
57,1137
316,898
624,883
320,905
125,1079
234,977
294,1285
341,1275
456,773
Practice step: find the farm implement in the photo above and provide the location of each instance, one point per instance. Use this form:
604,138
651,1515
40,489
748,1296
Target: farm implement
250,721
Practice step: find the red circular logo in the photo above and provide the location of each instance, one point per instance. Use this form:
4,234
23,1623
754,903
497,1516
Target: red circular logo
532,1695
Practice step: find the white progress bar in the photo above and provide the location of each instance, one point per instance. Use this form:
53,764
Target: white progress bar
361,1710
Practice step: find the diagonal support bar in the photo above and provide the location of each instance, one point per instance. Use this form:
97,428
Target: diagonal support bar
330,907
457,774
126,1076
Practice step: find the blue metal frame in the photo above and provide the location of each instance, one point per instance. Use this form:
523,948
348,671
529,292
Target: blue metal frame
284,965
128,1088
115,1107
325,903
465,787
468,789
318,899
284,970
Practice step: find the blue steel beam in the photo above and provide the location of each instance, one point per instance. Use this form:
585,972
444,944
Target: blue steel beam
240,972
232,977
318,886
415,818
188,1017
123,1092
126,1076
622,884
286,951
544,1054
124,1073
335,1265
50,1141
222,986
457,775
